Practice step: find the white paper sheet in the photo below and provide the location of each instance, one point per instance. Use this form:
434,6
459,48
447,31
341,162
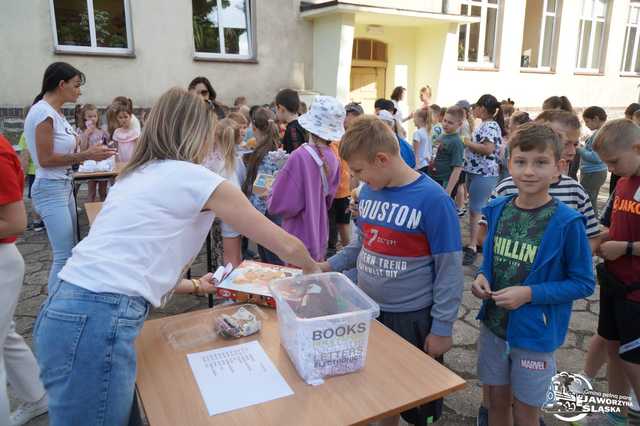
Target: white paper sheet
236,377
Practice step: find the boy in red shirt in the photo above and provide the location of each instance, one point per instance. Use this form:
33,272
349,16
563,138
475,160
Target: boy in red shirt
618,145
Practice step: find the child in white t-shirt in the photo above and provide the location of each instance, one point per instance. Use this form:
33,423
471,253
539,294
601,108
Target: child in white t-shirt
224,161
422,146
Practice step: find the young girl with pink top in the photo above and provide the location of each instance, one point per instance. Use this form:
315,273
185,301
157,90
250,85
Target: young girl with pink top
305,187
126,135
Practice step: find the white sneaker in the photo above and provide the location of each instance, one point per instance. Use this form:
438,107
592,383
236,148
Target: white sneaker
29,410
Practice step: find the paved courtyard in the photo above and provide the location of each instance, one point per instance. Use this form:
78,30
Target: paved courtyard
461,408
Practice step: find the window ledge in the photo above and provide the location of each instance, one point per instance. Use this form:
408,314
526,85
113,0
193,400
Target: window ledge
472,68
229,59
589,73
536,71
59,51
630,74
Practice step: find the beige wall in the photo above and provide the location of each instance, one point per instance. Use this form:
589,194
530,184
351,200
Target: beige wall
332,45
530,89
162,36
401,55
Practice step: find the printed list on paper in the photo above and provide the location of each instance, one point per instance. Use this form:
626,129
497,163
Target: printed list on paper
236,377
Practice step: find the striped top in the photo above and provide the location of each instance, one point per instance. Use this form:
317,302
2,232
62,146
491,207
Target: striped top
566,190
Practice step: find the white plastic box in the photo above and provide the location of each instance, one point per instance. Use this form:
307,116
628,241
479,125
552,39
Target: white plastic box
324,322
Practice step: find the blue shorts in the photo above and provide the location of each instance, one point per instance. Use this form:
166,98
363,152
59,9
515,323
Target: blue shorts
529,373
480,189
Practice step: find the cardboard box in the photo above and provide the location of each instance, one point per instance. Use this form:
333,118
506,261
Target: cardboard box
263,184
249,282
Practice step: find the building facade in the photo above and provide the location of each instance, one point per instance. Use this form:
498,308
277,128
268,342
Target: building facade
359,50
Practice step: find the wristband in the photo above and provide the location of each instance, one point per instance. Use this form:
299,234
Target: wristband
629,251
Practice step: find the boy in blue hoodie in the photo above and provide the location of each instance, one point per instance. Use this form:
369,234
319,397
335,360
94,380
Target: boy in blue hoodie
537,261
409,250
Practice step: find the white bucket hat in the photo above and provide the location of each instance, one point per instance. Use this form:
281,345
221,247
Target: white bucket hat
386,116
325,118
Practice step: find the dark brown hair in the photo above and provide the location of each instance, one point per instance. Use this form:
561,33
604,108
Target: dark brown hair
396,95
266,141
536,136
491,104
557,102
54,74
520,117
628,112
595,112
289,100
566,119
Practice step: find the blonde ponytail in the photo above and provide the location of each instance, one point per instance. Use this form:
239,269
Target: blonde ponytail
226,137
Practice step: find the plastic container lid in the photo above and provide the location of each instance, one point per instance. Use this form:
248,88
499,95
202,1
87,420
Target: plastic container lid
322,295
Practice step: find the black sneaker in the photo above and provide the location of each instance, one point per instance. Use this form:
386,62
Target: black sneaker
461,211
469,256
38,226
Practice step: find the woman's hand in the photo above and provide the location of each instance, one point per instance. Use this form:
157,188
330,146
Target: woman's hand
207,284
99,153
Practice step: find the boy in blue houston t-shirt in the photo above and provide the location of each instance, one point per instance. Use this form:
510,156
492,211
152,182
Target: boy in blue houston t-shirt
409,250
537,261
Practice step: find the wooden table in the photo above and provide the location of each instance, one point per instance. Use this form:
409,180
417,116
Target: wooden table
397,376
92,210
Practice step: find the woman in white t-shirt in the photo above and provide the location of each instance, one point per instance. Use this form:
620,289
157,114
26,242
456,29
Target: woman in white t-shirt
401,115
139,247
51,141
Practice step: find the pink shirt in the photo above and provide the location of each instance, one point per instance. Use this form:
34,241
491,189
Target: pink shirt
127,140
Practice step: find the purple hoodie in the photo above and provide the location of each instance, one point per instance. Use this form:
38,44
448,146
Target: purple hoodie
296,196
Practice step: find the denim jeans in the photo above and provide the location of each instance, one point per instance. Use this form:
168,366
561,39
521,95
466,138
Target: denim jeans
53,200
592,182
85,347
480,188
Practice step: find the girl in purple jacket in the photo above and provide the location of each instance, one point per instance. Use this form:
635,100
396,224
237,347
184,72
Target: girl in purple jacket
305,187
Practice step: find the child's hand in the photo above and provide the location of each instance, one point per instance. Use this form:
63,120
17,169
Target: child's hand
481,288
324,266
314,268
353,206
513,297
436,346
611,250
